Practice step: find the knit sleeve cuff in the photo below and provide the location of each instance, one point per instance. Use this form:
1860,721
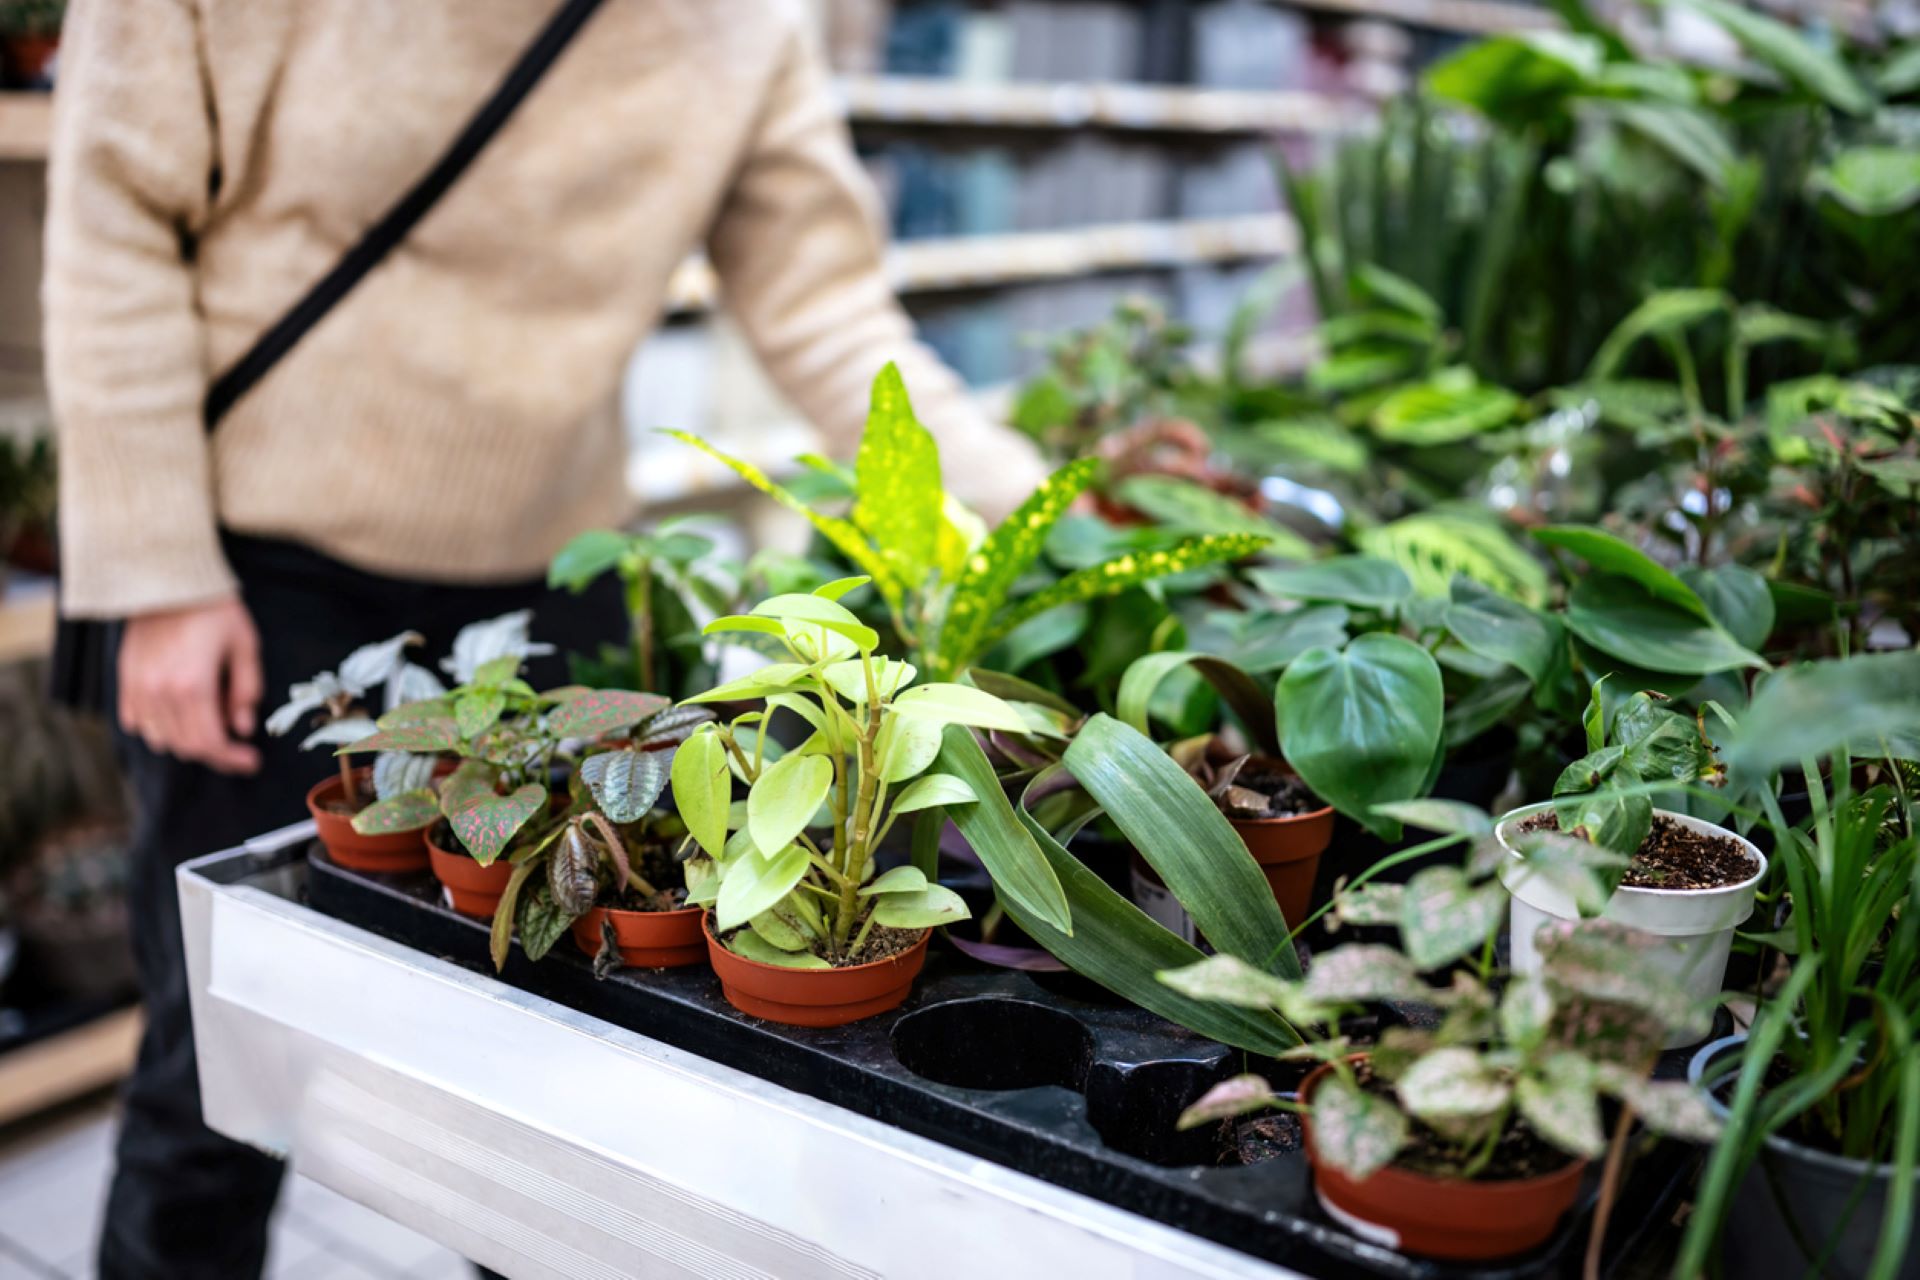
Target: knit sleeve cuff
116,568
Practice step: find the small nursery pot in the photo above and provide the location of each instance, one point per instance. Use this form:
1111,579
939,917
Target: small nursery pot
1695,926
399,851
1288,851
647,939
1795,1196
814,997
1441,1217
473,889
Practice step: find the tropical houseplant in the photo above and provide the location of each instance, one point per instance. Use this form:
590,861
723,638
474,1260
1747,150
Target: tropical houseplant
1462,1136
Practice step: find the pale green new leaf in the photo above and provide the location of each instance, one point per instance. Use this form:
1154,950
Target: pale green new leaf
930,791
946,704
755,883
936,905
784,799
751,945
702,788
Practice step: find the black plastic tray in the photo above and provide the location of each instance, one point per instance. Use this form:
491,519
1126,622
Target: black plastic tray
1043,1073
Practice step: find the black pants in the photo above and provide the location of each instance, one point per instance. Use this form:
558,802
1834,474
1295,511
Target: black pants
187,1203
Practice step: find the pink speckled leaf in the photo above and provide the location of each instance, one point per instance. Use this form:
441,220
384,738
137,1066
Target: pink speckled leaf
1236,1097
486,824
603,711
437,734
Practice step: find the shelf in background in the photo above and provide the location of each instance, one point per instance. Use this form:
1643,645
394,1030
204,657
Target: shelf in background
917,100
26,121
1469,17
976,262
68,1064
26,622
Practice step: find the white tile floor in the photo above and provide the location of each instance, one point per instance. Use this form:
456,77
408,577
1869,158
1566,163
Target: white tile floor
53,1185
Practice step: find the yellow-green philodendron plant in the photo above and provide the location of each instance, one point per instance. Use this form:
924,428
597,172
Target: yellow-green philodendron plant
791,873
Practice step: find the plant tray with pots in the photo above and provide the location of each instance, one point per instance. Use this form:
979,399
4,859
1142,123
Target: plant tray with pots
1043,1073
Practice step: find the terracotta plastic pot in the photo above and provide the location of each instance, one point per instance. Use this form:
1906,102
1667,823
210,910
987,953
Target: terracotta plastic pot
473,889
1442,1217
1288,851
647,939
815,997
400,851
1694,926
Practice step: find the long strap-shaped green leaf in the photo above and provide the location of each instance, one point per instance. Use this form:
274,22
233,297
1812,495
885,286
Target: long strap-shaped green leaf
1252,704
1022,875
1186,840
841,533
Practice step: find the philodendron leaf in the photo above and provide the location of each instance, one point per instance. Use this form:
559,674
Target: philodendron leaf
1366,582
625,784
846,539
1450,1084
1111,577
931,790
1008,552
1738,598
1443,915
592,715
784,799
755,883
897,482
751,945
1610,554
1356,1132
1558,1099
1362,725
487,824
408,811
1619,616
1242,1095
1183,836
958,704
1495,627
1363,971
923,909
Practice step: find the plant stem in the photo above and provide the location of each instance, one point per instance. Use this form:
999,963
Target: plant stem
640,611
351,792
858,846
865,929
1609,1191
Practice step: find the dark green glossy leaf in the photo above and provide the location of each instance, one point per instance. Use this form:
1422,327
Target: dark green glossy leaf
1366,582
1610,554
1495,627
1618,616
1025,878
1738,599
625,784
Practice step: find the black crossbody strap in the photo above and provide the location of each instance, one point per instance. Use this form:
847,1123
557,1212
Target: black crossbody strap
381,238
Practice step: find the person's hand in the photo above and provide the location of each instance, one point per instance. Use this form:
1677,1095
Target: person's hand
190,683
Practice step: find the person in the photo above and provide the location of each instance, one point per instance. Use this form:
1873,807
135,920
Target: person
415,460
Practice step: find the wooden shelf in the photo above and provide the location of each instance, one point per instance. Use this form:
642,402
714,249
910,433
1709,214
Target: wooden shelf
1469,17
26,122
48,1072
975,262
915,100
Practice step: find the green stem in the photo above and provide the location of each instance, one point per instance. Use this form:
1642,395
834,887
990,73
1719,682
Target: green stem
865,929
640,611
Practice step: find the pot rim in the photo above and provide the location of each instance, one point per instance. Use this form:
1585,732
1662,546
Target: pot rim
645,915
1573,1169
1323,811
1747,846
707,927
1853,1168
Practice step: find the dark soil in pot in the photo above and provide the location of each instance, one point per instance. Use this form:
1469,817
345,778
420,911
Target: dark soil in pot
1672,856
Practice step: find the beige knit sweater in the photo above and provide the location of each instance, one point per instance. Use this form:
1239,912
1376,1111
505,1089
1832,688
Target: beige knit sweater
454,418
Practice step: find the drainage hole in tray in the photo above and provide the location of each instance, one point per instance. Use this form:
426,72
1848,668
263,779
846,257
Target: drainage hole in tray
1136,1111
990,1042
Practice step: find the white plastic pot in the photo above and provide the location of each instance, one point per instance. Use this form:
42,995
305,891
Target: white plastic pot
1695,926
